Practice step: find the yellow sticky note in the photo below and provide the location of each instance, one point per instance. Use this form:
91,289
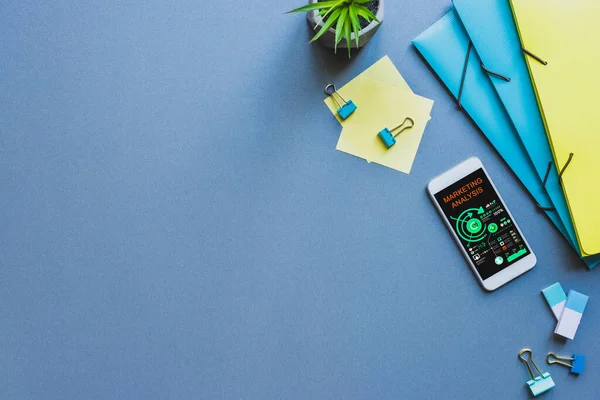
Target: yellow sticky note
386,107
382,71
565,35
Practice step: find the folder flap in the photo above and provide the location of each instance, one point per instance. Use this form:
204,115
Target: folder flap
444,45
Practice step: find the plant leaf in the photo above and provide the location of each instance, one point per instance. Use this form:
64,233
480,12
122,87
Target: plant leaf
366,13
355,22
332,18
339,27
314,6
335,7
348,33
321,14
361,1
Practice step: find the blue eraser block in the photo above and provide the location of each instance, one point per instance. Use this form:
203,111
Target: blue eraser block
576,301
386,137
347,109
541,384
556,299
578,361
554,294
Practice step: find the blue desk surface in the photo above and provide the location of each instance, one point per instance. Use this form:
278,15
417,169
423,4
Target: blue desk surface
177,224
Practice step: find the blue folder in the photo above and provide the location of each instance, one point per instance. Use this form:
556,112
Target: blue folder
444,46
491,27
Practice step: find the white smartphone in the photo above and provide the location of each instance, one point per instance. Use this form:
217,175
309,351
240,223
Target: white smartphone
481,224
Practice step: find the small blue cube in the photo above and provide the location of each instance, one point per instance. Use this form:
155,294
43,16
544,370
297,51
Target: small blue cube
347,109
577,366
386,137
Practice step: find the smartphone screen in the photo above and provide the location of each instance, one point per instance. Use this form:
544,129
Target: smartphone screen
482,224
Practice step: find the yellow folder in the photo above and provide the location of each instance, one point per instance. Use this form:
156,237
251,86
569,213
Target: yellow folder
564,61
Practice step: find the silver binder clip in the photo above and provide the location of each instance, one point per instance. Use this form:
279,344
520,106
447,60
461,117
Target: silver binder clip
537,384
577,362
346,108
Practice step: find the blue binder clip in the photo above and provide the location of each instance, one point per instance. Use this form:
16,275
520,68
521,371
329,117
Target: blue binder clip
386,134
345,110
576,366
538,384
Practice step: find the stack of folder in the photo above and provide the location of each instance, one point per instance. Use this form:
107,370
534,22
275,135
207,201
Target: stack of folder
525,72
383,100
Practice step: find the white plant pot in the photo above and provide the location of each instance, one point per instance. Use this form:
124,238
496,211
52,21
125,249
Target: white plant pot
328,38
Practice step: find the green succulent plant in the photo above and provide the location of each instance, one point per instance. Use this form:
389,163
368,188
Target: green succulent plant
344,14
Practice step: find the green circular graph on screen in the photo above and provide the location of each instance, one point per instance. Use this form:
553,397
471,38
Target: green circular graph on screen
469,227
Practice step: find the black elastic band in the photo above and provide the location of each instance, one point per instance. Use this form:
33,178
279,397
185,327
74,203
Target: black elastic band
464,74
544,185
497,75
530,54
547,174
562,171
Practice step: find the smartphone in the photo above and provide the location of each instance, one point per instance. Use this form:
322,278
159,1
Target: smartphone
481,224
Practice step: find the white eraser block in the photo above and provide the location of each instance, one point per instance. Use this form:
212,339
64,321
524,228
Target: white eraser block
571,316
568,324
558,309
